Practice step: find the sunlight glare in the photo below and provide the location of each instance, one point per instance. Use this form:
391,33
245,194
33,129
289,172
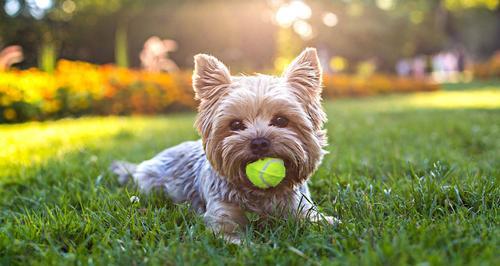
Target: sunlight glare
43,4
287,14
303,29
385,4
300,9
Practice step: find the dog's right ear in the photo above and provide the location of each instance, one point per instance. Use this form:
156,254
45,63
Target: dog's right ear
210,77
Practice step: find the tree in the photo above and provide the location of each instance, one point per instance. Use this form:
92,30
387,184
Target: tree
45,25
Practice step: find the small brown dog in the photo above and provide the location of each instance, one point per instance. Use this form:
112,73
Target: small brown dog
242,119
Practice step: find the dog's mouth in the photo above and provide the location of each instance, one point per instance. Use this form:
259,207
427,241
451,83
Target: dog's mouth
288,166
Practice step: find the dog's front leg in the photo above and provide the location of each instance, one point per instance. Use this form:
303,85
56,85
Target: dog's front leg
306,209
226,219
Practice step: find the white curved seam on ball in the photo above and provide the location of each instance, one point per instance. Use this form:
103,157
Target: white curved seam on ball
261,172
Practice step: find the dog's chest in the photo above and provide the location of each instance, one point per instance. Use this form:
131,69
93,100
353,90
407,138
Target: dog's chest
265,205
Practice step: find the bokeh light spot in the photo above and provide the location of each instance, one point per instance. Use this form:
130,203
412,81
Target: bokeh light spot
330,19
43,4
355,9
12,7
385,4
416,17
303,29
68,6
338,63
300,9
295,10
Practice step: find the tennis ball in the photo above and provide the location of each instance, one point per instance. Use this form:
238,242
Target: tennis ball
266,172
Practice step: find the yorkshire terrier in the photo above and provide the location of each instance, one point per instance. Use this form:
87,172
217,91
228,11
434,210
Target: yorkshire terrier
242,119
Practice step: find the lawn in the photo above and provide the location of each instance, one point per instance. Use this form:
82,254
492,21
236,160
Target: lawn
414,178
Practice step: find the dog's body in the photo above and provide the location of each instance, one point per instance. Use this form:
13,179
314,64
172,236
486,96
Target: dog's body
185,174
242,119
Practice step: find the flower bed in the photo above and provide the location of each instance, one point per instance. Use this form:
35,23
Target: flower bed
79,88
341,85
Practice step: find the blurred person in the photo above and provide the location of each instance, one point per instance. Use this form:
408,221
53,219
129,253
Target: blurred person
418,67
428,65
403,67
154,55
460,52
438,69
10,55
463,74
450,66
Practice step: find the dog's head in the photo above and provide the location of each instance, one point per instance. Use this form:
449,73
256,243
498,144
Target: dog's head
244,118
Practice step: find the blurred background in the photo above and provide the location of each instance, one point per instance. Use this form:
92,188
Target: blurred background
76,57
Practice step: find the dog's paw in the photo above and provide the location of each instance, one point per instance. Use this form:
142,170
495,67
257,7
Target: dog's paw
332,220
319,218
232,239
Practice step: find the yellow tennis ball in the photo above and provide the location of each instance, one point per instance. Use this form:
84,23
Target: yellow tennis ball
266,172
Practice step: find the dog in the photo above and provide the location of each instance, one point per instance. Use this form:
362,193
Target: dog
242,119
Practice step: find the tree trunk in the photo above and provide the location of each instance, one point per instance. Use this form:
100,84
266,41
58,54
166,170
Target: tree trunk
47,56
121,45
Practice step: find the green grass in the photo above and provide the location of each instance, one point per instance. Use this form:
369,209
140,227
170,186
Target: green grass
414,178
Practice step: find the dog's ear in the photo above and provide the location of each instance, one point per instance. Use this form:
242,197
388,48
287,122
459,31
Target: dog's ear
305,72
304,76
210,77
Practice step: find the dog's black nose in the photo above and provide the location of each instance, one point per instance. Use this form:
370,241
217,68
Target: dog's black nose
260,145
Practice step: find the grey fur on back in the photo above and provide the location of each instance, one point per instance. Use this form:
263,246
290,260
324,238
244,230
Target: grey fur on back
184,173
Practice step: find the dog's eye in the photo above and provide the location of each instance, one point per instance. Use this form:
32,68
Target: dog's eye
279,121
237,125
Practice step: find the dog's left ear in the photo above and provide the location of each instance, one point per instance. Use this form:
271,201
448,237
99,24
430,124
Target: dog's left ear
304,72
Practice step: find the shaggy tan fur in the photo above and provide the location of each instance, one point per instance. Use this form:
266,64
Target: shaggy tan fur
210,174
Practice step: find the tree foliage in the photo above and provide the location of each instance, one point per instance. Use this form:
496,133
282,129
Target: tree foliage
243,33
